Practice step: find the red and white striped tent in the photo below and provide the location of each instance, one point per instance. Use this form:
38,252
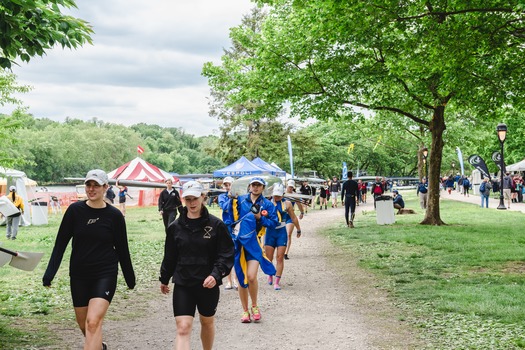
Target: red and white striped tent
140,170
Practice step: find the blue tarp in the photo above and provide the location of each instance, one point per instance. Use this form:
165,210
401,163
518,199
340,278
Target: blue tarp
273,170
241,167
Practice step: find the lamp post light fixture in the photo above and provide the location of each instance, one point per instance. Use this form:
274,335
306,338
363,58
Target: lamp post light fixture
501,129
425,155
453,168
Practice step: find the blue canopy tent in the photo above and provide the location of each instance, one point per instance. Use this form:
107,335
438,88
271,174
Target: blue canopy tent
241,167
270,168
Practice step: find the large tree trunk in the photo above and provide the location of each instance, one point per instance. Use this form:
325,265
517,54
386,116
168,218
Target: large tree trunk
437,127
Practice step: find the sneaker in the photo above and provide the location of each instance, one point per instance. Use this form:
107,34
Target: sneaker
270,280
286,257
228,286
246,317
351,224
235,285
104,346
277,286
256,314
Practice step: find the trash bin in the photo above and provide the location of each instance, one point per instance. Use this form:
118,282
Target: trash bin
39,213
385,210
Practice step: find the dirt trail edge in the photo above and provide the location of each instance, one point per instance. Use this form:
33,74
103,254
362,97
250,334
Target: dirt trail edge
326,302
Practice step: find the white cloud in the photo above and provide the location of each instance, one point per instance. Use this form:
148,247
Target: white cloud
144,66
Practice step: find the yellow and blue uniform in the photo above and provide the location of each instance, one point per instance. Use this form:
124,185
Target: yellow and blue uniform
278,237
248,235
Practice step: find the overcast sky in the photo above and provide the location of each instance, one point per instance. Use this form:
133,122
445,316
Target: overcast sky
144,65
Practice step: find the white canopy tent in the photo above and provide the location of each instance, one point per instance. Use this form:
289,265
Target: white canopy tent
519,166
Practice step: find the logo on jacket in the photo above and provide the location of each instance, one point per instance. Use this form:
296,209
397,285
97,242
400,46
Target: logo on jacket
92,221
207,232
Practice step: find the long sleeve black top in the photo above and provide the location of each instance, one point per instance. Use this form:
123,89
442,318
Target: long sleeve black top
99,243
170,201
195,249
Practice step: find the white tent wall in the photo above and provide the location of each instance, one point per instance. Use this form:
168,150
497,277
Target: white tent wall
19,180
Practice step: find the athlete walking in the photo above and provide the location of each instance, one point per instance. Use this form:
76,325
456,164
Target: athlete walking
349,195
290,188
98,231
198,253
276,238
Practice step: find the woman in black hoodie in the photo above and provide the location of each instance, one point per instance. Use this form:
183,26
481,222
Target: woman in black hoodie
198,253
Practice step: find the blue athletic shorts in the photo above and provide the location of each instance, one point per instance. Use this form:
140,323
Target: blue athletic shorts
276,238
83,290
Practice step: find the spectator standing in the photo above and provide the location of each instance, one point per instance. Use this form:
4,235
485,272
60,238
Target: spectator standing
335,188
122,193
13,221
110,195
99,244
450,184
484,190
198,253
169,203
377,189
422,191
507,188
465,182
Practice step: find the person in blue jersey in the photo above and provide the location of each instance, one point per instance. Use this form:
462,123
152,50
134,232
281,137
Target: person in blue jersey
198,254
99,244
276,238
253,214
224,201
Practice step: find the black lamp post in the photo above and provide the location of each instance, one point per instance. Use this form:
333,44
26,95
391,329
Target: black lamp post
502,135
453,169
425,155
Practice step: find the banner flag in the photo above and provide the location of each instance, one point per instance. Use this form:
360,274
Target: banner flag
290,155
140,150
478,163
460,157
345,172
496,157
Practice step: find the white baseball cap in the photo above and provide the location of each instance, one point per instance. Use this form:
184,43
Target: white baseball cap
192,188
278,190
97,175
259,180
291,183
228,179
12,188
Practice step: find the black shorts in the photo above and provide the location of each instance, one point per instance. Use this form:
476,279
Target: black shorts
122,199
187,299
84,290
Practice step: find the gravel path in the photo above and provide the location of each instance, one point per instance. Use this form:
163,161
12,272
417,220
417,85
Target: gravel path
326,302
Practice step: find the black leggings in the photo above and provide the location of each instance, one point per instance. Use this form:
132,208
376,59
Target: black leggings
349,207
187,299
82,291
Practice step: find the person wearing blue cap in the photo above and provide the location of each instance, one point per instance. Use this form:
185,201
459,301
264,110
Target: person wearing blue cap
253,214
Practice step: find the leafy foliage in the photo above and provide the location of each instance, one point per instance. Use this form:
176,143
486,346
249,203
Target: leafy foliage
29,28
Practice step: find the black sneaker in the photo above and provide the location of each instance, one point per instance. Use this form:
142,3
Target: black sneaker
104,346
286,257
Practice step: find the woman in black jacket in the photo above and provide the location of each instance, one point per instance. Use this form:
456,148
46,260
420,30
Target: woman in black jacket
198,253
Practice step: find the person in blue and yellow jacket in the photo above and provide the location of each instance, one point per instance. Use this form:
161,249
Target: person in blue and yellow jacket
277,238
253,214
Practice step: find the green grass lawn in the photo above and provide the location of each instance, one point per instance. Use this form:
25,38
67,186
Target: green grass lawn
461,284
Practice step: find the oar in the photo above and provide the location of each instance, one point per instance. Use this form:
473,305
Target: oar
21,260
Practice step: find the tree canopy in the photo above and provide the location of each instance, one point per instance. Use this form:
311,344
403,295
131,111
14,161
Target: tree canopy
424,61
29,28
